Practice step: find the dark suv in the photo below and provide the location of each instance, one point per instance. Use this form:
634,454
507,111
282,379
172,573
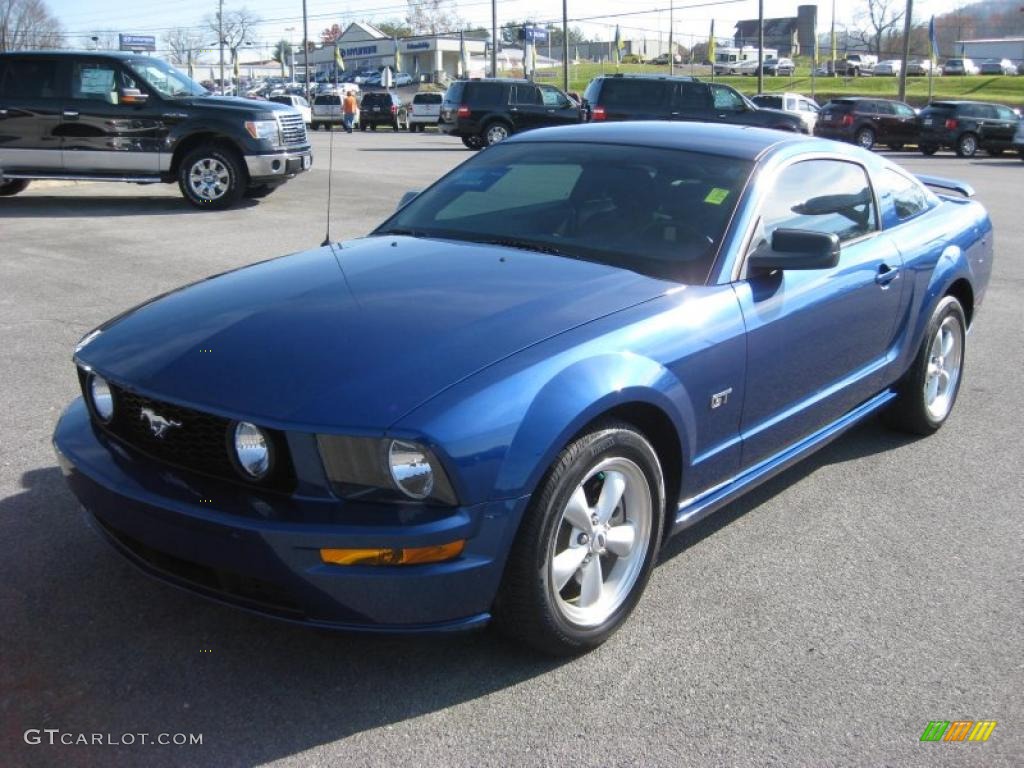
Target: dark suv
661,97
382,108
867,122
483,112
966,127
104,116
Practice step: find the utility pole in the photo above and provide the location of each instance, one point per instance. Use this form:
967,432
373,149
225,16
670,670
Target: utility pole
565,45
305,47
907,25
494,38
671,46
760,46
220,37
832,39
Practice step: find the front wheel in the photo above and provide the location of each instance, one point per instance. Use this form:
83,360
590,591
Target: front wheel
587,544
496,132
967,145
12,187
865,138
928,392
211,177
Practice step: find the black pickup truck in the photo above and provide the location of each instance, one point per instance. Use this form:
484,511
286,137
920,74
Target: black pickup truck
108,116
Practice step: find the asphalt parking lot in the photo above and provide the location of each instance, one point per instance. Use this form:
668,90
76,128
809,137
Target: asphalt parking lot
823,620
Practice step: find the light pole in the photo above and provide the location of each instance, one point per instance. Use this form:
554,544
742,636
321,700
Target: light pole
671,44
494,38
565,45
220,38
906,49
760,46
305,47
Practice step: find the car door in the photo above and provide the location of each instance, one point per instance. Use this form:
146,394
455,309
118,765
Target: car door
817,340
104,132
559,109
31,90
727,104
1003,126
691,101
905,127
526,107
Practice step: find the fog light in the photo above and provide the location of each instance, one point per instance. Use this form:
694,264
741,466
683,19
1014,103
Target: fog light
101,397
252,450
389,556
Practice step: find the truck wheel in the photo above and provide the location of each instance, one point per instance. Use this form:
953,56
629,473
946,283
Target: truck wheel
12,187
211,177
928,149
473,142
496,132
865,138
967,145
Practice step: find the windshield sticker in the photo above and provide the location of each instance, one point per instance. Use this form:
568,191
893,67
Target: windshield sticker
717,196
97,81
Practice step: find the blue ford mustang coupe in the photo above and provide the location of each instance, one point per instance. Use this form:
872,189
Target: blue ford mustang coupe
501,402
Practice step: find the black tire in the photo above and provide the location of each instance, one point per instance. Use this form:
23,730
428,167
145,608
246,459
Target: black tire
897,147
530,609
218,159
373,126
910,412
412,127
928,149
12,187
496,132
967,145
475,143
362,127
865,138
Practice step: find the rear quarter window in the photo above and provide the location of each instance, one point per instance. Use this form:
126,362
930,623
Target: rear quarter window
30,78
485,94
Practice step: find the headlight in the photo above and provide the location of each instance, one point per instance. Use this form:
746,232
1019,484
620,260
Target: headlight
252,450
264,129
374,469
101,397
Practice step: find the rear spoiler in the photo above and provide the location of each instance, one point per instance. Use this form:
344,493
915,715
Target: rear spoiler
948,184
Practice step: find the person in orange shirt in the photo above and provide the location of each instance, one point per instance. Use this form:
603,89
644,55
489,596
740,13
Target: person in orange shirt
349,107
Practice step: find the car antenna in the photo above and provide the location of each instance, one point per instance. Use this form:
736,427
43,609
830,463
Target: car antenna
330,175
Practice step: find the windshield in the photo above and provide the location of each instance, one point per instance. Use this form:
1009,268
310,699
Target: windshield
165,79
660,212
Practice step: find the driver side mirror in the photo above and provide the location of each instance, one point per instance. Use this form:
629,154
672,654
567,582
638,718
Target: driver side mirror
796,249
134,96
407,198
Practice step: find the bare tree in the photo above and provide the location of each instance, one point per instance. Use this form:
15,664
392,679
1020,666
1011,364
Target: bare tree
28,24
182,44
238,28
880,20
431,17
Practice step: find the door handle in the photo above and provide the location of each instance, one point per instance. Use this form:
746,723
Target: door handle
886,275
70,114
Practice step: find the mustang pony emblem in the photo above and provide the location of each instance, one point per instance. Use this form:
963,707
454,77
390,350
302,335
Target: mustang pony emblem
157,423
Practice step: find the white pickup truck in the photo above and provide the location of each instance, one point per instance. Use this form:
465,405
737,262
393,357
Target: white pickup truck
426,110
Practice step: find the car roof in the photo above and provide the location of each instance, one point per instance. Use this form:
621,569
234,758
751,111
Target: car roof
642,76
73,53
738,141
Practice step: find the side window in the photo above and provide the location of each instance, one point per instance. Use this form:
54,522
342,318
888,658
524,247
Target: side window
904,111
30,78
884,108
553,97
94,81
988,112
527,95
691,97
726,99
907,197
829,196
1005,113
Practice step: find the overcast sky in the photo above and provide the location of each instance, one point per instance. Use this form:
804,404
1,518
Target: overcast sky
693,17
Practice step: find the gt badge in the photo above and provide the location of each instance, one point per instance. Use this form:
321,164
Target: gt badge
720,398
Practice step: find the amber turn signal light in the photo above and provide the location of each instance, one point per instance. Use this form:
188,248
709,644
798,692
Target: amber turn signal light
389,556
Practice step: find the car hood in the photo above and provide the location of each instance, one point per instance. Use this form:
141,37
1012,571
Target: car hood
353,336
235,103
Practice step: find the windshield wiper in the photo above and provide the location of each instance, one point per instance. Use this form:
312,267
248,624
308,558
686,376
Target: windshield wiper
525,245
403,231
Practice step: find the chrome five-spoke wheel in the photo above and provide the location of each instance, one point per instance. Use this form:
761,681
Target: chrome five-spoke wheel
943,373
598,548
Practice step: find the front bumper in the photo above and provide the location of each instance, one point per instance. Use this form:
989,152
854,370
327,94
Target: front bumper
279,165
253,551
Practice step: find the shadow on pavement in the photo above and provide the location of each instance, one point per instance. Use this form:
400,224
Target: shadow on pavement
78,205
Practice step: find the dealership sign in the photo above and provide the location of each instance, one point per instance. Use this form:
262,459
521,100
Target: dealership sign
418,46
137,42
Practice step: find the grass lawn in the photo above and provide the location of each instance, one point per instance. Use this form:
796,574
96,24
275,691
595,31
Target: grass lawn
1004,89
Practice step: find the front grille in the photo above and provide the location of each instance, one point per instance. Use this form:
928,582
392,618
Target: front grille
293,128
192,439
234,587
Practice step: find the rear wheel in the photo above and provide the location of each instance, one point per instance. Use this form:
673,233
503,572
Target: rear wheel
587,544
865,138
12,187
967,145
473,142
928,392
211,177
928,149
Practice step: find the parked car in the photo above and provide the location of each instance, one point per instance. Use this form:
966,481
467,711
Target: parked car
425,110
966,127
1018,139
109,116
485,112
804,107
960,67
887,68
573,346
383,108
778,67
403,79
298,103
328,110
919,67
640,97
997,67
867,122
361,76
854,65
